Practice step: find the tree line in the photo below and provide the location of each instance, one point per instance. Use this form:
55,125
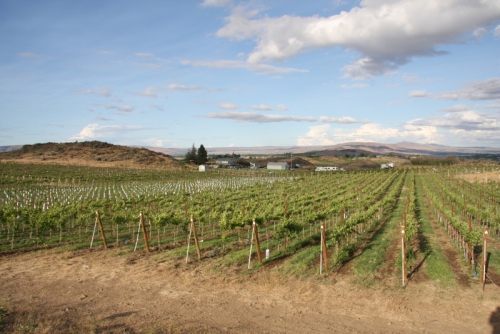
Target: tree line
198,156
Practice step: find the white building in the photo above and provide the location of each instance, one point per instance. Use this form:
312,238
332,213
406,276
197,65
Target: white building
225,162
278,165
254,165
203,168
326,169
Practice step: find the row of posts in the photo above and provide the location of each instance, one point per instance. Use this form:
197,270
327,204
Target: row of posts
192,230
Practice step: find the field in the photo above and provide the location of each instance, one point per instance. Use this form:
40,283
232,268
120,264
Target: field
197,268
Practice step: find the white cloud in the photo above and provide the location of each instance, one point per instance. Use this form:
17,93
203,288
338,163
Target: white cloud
479,32
149,66
341,120
353,86
154,106
227,105
317,135
154,142
152,92
104,52
183,87
97,91
232,64
264,107
126,108
260,107
96,131
216,3
490,106
410,78
143,54
419,93
372,132
478,136
394,102
29,55
497,31
462,120
387,34
456,108
254,117
481,90
104,119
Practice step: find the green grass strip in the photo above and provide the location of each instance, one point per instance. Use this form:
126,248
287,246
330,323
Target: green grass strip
373,256
436,264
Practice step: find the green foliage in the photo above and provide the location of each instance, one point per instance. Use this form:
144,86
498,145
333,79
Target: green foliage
191,154
202,155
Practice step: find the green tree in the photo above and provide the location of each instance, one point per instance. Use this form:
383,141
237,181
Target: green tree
202,155
191,154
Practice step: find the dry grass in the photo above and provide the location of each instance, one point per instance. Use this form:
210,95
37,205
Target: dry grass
92,154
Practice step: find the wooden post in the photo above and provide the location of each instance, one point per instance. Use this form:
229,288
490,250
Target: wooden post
485,256
144,232
403,255
101,229
257,243
193,228
469,246
324,254
250,252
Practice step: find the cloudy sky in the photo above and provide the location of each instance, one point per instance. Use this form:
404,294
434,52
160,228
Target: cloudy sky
250,73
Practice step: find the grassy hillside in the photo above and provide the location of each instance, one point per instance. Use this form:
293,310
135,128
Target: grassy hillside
92,153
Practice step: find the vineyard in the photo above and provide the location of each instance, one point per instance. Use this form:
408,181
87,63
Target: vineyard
306,223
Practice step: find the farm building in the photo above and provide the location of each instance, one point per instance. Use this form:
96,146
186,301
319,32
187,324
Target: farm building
254,165
225,162
326,169
278,165
203,168
384,166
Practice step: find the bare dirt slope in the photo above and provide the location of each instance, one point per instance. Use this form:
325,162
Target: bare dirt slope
105,292
93,154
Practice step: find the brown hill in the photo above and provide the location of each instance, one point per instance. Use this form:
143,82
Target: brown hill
92,153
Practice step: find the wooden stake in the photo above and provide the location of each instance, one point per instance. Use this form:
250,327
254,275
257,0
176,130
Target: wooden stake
485,256
469,246
101,229
403,255
324,254
193,228
257,243
144,232
250,253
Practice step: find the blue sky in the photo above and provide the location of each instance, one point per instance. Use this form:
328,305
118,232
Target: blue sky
250,73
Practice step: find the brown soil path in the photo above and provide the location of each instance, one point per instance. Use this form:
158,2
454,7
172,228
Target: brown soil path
104,292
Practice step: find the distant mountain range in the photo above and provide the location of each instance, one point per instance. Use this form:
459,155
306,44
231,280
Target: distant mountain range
10,148
403,148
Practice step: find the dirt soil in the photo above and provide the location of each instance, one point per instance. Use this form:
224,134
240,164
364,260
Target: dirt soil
481,177
104,291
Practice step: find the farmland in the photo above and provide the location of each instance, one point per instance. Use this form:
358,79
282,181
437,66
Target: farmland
203,223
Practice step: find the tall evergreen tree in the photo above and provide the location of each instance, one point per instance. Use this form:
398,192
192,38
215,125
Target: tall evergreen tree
202,155
191,154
